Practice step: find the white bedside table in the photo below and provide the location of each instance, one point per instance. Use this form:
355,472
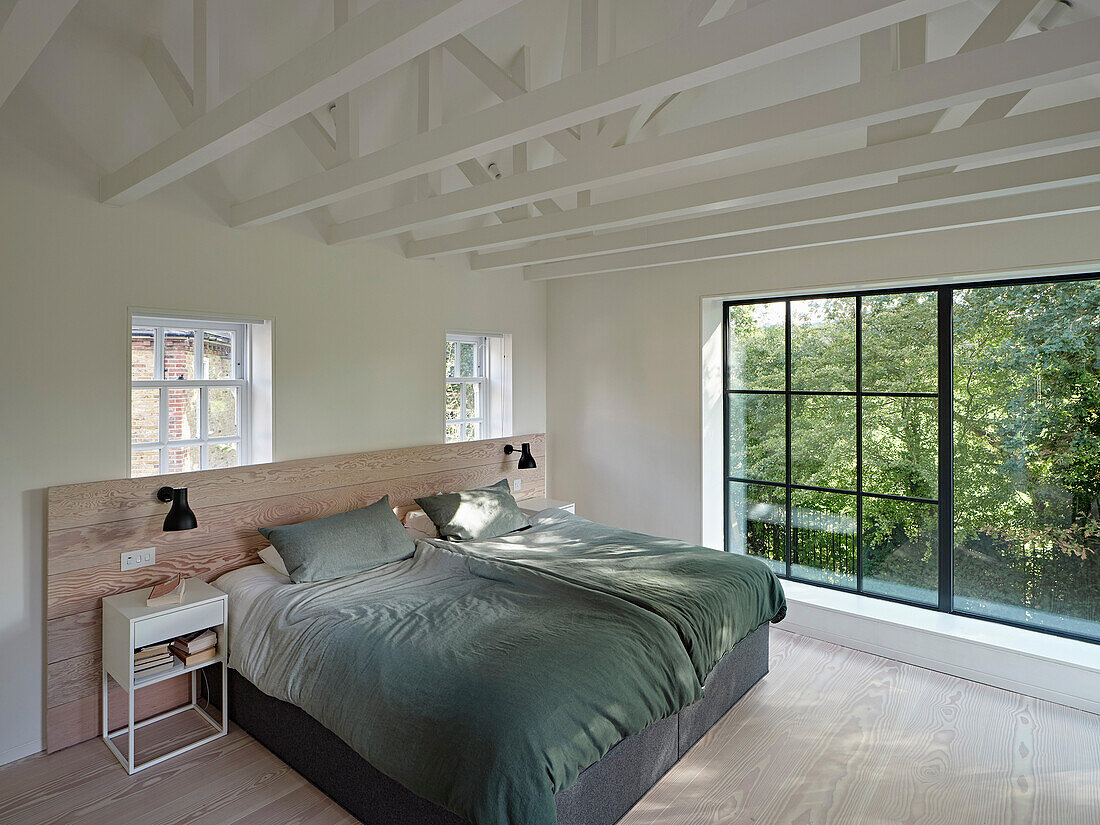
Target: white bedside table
128,623
530,506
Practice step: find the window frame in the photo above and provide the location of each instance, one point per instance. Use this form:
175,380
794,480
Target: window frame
241,381
944,396
484,381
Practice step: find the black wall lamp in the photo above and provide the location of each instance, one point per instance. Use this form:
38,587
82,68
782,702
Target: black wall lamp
180,517
526,460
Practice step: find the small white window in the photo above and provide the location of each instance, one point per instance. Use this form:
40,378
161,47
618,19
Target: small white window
190,395
477,387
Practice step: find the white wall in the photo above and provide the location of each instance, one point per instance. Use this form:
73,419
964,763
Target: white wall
624,386
358,348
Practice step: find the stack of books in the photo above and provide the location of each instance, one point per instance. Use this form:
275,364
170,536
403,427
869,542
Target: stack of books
152,659
195,648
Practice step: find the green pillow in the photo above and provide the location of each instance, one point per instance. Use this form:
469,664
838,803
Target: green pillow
341,545
484,513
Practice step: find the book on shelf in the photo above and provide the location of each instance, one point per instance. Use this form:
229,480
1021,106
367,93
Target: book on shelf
167,592
143,654
152,670
196,658
195,642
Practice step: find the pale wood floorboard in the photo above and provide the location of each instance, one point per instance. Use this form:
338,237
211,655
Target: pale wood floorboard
830,737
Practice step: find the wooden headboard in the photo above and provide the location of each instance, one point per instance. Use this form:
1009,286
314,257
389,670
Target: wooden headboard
91,525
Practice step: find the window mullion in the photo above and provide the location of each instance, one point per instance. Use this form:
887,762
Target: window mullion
859,444
787,387
946,495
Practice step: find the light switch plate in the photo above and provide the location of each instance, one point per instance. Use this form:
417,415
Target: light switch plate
517,485
139,558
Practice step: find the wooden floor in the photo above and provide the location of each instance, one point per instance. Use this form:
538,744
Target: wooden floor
831,736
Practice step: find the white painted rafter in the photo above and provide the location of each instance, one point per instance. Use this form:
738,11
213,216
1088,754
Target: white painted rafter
1061,54
1045,131
370,44
1033,174
26,26
205,89
1026,206
752,38
504,86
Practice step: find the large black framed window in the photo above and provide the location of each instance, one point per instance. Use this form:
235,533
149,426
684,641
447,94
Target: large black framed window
938,446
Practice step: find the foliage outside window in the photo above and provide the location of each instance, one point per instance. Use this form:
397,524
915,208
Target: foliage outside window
861,456
189,396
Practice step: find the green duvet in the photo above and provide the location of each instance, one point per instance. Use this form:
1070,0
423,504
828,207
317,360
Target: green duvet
482,686
713,599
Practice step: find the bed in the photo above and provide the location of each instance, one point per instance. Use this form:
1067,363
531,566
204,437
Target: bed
608,655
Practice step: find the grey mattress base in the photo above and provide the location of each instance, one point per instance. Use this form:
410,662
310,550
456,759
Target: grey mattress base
602,794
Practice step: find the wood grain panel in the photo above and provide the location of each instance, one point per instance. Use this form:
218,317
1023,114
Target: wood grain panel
79,720
68,636
83,590
90,525
73,505
96,545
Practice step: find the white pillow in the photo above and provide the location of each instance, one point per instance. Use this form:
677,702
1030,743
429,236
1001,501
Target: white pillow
418,520
416,535
269,555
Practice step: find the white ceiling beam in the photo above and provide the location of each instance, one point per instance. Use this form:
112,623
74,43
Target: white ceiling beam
697,12
1030,205
981,74
386,35
429,112
317,139
752,38
504,86
1050,130
26,26
908,50
345,115
177,93
206,58
1033,174
1041,132
168,78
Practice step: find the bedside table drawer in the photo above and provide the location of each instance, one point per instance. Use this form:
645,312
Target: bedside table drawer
166,626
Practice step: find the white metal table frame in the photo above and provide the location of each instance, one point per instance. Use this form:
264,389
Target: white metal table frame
220,728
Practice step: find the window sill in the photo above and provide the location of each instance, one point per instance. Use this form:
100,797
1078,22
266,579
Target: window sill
1036,664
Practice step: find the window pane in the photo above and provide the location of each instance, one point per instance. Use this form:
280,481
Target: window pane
901,549
473,432
472,403
823,344
1027,454
144,463
823,441
758,437
217,355
183,414
757,346
900,446
452,434
823,537
220,456
449,359
467,360
757,522
184,459
143,344
221,411
452,400
179,354
899,342
144,416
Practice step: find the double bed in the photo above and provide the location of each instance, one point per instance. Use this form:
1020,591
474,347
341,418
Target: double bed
550,675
